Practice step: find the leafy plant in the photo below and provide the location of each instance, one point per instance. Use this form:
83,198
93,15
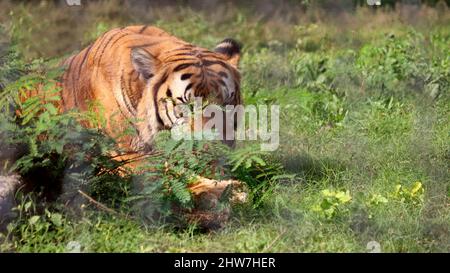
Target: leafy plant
333,203
413,195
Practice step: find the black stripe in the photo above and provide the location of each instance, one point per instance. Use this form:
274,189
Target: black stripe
185,96
167,112
155,92
106,45
118,40
189,47
188,53
189,86
237,95
222,82
133,100
74,93
210,73
182,66
191,53
182,59
101,40
129,84
122,89
143,29
84,59
209,63
145,45
69,67
66,76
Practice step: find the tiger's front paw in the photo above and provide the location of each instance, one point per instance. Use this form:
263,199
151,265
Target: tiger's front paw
213,200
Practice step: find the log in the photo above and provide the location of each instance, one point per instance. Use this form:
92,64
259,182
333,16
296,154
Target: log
8,186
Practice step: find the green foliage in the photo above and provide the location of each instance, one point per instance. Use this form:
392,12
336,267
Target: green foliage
377,199
384,122
333,203
259,171
314,110
413,196
174,165
310,38
312,71
265,69
11,67
392,60
405,60
35,227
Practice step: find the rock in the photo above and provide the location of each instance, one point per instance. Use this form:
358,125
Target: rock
8,185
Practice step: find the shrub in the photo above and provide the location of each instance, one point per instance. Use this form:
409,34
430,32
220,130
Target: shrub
53,146
408,60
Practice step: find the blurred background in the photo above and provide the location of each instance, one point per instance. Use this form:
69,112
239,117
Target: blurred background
37,25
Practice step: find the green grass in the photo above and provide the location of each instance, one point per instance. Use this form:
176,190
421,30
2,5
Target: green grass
362,112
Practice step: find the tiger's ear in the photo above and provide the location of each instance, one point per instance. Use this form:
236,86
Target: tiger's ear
143,62
231,49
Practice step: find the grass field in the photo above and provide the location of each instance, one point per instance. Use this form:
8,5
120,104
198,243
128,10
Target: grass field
364,128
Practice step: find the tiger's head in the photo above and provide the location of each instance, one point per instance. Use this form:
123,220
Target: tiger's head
176,76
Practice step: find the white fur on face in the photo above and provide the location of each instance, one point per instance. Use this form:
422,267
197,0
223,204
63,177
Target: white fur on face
178,88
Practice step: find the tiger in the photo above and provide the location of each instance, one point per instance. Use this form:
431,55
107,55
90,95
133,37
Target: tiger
140,74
